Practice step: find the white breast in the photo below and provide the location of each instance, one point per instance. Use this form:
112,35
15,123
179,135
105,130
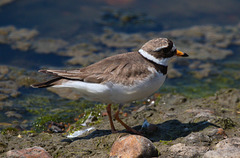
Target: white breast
117,93
140,90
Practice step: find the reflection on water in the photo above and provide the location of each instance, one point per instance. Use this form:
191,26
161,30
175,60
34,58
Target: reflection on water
91,30
59,18
29,59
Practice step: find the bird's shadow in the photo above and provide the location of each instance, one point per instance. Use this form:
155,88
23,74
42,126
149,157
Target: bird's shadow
166,131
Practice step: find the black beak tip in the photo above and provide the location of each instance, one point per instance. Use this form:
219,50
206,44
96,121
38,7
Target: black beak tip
185,55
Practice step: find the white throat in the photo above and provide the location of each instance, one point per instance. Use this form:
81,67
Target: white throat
163,61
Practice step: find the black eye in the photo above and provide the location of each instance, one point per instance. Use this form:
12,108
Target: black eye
168,52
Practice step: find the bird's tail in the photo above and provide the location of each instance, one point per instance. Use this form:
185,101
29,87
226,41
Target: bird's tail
46,84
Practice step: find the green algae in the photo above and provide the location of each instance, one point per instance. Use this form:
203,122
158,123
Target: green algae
94,112
192,87
9,131
47,109
226,123
165,142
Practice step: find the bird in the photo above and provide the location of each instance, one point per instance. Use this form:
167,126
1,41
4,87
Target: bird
119,79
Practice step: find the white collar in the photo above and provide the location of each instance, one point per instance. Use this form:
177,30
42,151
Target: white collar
162,61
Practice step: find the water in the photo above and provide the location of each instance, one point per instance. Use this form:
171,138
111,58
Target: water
29,59
74,20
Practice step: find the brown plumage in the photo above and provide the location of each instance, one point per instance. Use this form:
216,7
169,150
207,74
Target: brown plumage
123,68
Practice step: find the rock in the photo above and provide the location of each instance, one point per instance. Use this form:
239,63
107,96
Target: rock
197,139
226,148
133,146
182,150
201,114
29,152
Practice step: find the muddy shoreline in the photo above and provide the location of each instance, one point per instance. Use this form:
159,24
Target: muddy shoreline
190,124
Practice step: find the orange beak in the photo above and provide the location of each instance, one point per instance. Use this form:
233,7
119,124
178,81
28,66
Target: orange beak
182,54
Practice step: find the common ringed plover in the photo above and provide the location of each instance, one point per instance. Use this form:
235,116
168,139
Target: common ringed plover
121,78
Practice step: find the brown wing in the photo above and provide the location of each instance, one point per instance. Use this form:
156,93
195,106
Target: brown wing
121,68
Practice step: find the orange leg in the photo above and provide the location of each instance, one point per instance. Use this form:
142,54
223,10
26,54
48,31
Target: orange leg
110,118
116,115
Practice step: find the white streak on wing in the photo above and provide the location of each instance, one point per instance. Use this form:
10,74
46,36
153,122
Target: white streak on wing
163,61
118,93
89,91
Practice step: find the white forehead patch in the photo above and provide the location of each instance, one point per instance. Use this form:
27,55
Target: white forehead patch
159,48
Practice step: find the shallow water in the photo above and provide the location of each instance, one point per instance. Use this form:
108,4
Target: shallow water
77,21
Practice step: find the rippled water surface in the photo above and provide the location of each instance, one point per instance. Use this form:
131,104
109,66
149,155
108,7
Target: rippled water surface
70,34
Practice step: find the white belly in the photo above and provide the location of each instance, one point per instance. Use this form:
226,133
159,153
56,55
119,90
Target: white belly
117,93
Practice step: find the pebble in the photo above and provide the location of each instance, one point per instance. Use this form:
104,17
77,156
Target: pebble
228,148
29,152
133,146
197,139
182,150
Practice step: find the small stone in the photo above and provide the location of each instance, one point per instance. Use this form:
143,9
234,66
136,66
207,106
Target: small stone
29,152
197,139
220,131
133,146
182,150
226,148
